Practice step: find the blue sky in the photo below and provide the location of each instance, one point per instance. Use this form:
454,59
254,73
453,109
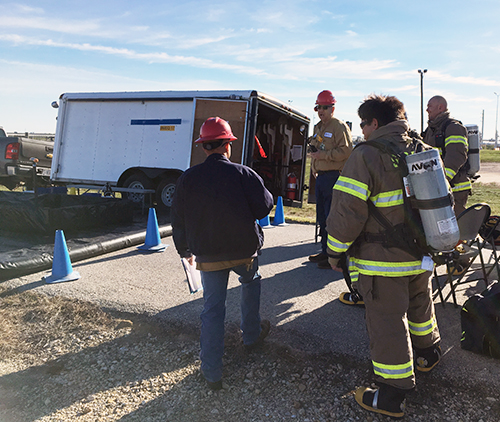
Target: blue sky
288,49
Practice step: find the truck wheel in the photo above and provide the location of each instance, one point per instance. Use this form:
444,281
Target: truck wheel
137,181
165,192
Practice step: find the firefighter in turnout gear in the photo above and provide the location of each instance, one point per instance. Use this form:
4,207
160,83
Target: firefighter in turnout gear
449,136
393,281
330,146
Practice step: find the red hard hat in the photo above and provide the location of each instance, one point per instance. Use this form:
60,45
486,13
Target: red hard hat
215,129
325,98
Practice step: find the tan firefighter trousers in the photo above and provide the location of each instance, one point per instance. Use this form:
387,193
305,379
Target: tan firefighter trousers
399,316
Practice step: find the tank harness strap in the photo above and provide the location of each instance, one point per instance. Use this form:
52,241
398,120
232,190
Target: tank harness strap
398,236
430,204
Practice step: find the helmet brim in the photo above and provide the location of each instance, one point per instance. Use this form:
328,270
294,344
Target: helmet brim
201,140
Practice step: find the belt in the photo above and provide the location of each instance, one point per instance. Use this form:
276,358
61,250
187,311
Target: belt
320,173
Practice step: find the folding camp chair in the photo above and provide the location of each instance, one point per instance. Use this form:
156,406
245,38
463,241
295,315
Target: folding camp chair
490,232
459,262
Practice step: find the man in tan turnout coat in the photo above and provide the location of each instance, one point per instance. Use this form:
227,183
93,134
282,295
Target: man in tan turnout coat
331,145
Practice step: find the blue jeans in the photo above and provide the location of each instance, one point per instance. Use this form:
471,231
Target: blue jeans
324,188
214,313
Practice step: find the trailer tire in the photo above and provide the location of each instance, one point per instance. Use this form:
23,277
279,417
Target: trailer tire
137,181
165,192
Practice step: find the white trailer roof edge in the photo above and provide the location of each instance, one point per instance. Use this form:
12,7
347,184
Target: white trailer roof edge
180,95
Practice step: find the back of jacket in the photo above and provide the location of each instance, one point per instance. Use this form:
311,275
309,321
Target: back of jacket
370,175
454,151
215,208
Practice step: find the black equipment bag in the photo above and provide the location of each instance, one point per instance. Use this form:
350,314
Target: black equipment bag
480,317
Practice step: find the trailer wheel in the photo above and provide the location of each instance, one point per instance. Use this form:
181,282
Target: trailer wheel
165,192
137,181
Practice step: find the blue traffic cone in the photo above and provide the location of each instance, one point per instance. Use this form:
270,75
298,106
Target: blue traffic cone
61,263
264,223
153,241
279,215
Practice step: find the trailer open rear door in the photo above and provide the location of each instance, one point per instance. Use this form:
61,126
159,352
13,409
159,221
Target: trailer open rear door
233,112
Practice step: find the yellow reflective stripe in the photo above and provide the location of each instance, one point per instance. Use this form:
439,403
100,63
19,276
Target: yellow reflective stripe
388,199
353,271
422,328
450,173
455,140
404,370
352,187
462,186
336,245
388,269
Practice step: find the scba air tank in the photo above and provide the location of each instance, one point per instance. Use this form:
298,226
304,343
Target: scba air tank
473,153
431,190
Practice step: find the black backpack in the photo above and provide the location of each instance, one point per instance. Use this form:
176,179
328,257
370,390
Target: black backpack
480,317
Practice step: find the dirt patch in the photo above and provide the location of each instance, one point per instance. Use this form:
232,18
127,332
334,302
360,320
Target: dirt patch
68,360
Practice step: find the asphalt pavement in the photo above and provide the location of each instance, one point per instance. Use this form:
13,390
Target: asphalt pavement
299,299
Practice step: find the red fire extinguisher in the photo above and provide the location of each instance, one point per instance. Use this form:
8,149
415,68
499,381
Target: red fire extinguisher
291,186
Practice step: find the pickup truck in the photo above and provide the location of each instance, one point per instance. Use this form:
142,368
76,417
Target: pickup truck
16,164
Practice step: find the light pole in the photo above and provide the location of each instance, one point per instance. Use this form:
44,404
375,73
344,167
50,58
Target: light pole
422,98
496,124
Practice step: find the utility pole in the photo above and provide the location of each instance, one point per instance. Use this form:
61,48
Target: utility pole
422,98
496,124
482,129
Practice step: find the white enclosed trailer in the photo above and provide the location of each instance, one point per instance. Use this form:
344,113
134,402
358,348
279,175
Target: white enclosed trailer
146,139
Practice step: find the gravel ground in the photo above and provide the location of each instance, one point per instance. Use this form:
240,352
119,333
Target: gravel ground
129,368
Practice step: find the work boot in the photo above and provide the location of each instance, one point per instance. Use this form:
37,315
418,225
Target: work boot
318,257
214,386
385,399
265,327
324,265
348,299
458,270
428,358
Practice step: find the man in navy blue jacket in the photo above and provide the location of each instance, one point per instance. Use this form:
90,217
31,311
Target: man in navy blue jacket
214,212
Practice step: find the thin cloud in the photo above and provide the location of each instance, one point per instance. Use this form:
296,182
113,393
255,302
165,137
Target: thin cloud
32,19
469,80
155,57
79,27
24,8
